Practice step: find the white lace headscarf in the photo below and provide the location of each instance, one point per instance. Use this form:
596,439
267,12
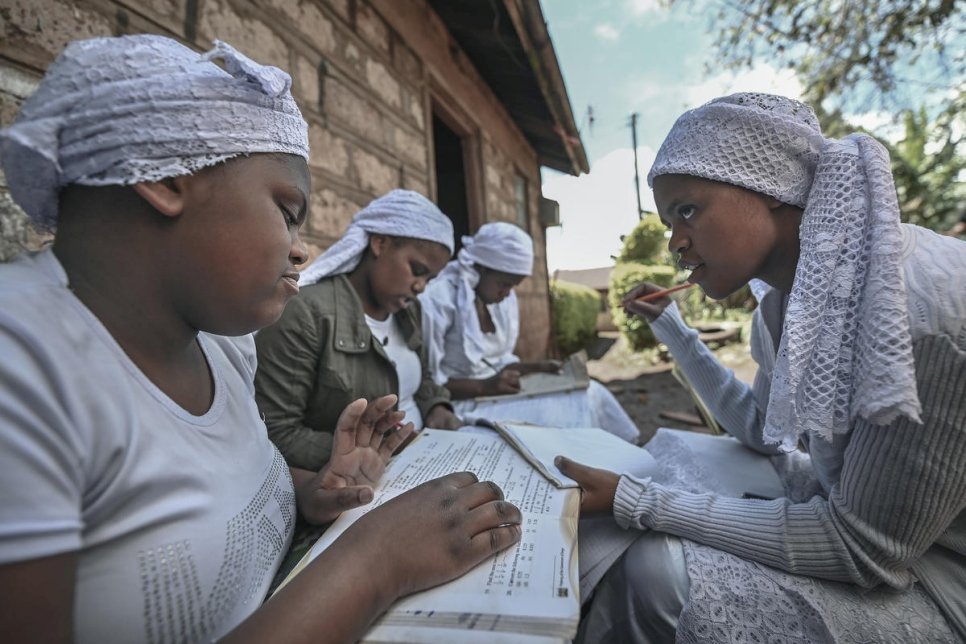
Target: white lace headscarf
398,213
846,347
502,247
119,111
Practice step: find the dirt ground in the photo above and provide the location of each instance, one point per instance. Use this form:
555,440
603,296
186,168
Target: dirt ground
650,393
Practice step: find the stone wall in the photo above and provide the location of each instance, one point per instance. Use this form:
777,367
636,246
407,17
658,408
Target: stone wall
365,74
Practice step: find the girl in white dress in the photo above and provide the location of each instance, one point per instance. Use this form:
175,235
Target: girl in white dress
471,319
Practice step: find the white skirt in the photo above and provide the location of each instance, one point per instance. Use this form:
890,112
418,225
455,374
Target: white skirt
653,594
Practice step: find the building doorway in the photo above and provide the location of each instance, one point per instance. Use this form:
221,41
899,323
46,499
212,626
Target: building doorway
451,193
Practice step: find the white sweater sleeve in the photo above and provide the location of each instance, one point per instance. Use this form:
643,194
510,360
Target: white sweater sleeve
900,489
733,403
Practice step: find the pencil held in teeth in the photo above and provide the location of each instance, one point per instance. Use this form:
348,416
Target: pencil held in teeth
659,294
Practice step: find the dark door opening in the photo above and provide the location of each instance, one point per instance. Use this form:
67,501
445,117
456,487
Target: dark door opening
451,196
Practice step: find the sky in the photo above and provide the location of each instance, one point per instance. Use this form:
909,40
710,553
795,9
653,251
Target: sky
619,57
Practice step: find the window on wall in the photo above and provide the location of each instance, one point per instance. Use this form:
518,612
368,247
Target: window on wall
522,202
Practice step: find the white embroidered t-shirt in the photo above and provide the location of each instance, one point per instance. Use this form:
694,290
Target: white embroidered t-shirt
179,521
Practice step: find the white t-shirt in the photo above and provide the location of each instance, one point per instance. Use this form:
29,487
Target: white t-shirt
179,521
409,368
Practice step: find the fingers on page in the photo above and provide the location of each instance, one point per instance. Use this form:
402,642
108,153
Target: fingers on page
364,495
456,479
492,516
495,539
479,493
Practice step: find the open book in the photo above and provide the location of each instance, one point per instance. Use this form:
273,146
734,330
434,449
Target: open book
530,589
527,593
600,540
573,375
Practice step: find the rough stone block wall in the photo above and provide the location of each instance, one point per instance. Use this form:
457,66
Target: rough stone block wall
359,79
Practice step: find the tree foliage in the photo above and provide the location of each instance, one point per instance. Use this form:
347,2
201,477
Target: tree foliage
839,48
646,243
623,278
905,57
927,168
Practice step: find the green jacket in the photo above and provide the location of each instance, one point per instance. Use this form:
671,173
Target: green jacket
319,357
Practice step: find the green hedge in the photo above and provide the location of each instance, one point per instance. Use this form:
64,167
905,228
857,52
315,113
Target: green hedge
575,309
625,277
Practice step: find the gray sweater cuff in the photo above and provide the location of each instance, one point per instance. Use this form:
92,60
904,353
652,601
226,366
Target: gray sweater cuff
630,503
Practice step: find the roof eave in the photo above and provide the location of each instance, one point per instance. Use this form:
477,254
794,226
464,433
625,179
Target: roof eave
531,29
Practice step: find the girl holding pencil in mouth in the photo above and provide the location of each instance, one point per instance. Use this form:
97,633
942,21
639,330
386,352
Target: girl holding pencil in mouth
860,339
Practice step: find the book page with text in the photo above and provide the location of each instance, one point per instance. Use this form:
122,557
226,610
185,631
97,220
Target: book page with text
529,588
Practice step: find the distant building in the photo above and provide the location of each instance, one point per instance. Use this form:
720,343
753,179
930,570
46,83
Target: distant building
461,100
596,278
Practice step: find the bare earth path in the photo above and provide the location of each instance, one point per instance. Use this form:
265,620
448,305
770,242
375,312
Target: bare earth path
647,391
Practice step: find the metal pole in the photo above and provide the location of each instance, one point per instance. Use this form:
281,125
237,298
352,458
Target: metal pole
637,175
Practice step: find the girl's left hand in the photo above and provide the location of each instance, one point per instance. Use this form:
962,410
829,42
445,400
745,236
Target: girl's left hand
366,436
442,417
598,486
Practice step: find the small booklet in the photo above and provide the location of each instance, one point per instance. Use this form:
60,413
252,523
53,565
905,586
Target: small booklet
588,445
529,592
573,375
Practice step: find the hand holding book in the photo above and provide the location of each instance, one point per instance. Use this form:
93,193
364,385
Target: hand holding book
536,378
597,485
505,381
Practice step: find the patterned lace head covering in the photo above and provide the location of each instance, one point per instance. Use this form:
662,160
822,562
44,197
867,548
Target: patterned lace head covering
846,347
118,111
399,213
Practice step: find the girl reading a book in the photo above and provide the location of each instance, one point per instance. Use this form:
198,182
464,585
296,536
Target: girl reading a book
142,498
860,338
355,330
471,318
